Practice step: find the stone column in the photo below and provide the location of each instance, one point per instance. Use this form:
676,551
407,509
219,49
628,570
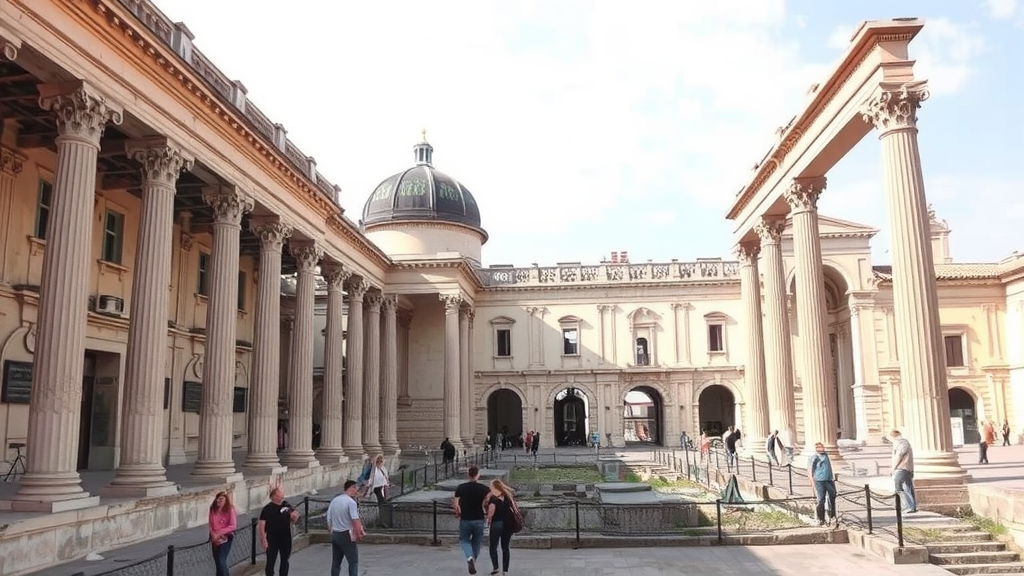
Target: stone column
51,482
11,164
389,377
261,458
820,418
756,427
215,463
465,390
331,447
778,353
300,372
919,333
140,472
451,424
353,439
844,381
404,325
860,404
371,376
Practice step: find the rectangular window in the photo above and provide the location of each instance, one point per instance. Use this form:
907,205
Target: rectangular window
43,210
241,290
504,342
113,236
716,338
954,351
204,274
570,342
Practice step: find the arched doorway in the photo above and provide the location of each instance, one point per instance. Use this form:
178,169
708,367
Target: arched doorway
504,414
570,418
716,409
961,405
641,416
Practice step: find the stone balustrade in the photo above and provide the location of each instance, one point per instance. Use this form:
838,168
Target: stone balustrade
702,270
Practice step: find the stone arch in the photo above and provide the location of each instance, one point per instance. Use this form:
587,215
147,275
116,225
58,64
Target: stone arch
551,406
658,387
966,404
21,335
837,283
728,384
643,316
486,394
644,425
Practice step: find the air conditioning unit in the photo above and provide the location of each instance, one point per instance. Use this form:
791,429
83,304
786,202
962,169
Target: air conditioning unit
110,304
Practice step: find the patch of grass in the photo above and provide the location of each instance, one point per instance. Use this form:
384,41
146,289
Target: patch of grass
763,519
682,483
631,477
922,535
557,475
984,524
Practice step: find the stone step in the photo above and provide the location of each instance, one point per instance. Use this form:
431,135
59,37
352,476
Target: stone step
940,525
963,547
973,558
987,569
973,536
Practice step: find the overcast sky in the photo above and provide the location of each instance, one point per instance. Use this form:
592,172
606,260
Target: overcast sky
585,127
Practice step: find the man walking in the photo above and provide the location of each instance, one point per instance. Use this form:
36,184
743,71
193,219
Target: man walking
770,445
346,529
903,470
469,509
729,439
823,482
275,529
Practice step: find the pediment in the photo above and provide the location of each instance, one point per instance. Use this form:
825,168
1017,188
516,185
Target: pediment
835,227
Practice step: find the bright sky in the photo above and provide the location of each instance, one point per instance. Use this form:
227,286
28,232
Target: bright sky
584,127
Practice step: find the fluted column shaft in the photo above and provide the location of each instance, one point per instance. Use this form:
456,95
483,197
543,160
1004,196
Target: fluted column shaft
820,409
915,299
451,428
300,371
756,428
266,351
331,448
51,481
389,377
465,390
354,378
11,164
140,471
216,414
371,375
777,343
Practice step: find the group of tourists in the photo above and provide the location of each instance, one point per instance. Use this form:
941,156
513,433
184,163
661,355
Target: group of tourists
988,438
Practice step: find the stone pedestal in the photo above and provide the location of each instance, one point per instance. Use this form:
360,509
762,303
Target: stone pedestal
51,481
755,429
140,472
451,427
915,300
331,448
299,453
353,439
389,379
371,376
215,463
261,458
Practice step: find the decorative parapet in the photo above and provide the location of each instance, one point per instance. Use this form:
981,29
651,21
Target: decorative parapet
179,39
704,270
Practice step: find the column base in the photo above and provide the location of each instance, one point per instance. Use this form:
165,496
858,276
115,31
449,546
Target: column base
938,468
391,449
55,506
300,459
176,453
128,491
373,449
52,492
802,459
354,453
214,479
264,470
262,461
331,456
214,472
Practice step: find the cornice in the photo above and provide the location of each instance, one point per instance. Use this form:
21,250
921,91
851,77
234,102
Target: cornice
629,285
428,224
347,230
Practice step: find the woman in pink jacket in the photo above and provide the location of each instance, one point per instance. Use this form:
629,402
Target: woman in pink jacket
222,531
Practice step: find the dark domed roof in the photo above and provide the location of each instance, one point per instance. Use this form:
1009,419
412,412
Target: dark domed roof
422,193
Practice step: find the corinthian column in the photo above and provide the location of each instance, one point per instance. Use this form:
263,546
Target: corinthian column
465,387
354,374
300,371
450,423
215,463
389,378
918,331
371,375
331,450
778,348
51,481
820,418
757,387
261,458
141,472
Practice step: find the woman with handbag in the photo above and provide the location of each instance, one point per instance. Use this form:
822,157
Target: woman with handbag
378,480
504,519
223,522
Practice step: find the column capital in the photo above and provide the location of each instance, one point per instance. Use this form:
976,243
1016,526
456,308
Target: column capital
404,318
272,233
357,287
452,302
335,275
307,255
9,47
895,106
802,194
81,111
769,229
162,160
11,163
228,203
679,305
467,312
747,252
389,302
374,302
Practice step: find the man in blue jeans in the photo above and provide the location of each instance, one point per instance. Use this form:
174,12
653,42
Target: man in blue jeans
346,529
903,470
823,481
469,509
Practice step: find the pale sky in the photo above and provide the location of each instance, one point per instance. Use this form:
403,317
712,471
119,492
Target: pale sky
586,127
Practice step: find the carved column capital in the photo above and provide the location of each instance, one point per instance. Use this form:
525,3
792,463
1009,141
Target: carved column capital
228,204
374,302
769,229
389,302
405,318
895,106
307,256
335,275
802,194
80,111
452,303
11,163
162,160
187,241
357,287
747,252
272,234
679,305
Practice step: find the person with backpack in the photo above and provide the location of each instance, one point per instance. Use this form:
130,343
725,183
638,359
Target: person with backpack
504,519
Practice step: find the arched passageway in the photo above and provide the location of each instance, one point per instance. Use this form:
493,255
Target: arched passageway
570,418
504,414
642,411
717,409
962,405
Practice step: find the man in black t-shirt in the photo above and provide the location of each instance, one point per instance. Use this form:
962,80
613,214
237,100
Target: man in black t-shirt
469,509
275,528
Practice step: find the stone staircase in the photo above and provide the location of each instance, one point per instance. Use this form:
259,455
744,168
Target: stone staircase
962,549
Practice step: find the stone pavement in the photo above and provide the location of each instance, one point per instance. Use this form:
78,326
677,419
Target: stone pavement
402,560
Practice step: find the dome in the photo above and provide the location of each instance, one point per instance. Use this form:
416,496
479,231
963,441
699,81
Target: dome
422,193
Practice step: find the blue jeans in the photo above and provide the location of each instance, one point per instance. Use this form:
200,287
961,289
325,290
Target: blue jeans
905,483
823,489
471,537
343,548
220,558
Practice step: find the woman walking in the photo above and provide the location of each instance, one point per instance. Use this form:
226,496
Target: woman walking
501,517
378,480
222,531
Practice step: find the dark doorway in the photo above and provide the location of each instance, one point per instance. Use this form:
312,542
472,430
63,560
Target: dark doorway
716,409
641,416
961,405
504,414
570,418
85,417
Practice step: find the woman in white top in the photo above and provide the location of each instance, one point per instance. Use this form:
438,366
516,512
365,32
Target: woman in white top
379,479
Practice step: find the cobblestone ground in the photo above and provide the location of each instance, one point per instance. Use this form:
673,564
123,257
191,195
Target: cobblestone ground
401,560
